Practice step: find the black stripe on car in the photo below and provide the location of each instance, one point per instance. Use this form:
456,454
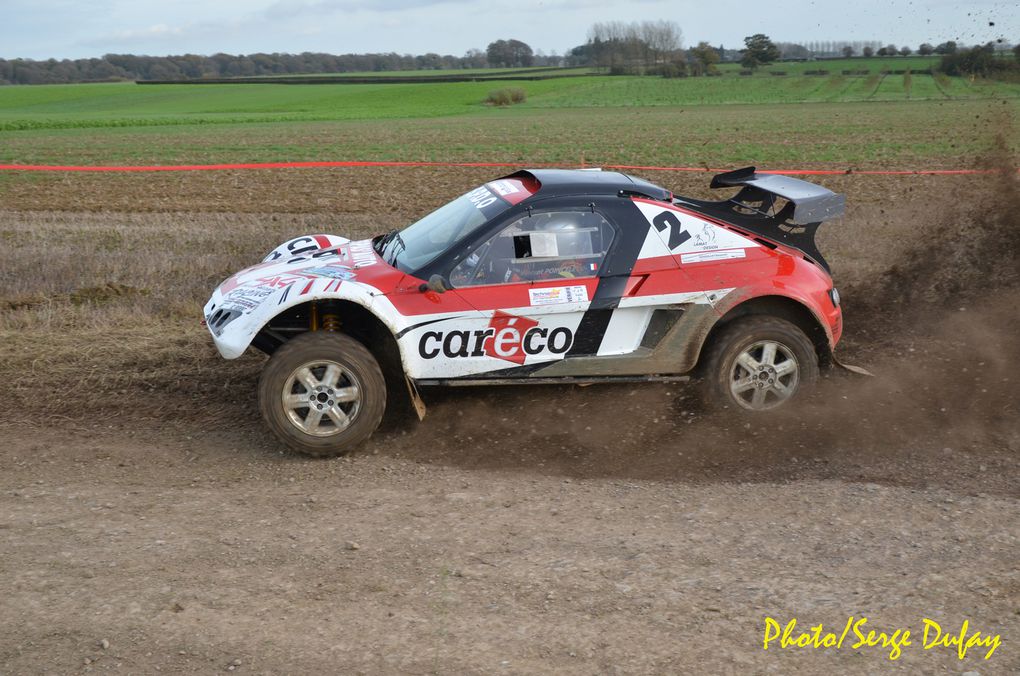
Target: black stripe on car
632,229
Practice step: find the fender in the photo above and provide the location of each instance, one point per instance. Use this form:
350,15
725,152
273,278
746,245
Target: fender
349,271
740,297
234,324
742,301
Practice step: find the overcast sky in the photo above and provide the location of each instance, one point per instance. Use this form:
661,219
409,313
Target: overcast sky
39,29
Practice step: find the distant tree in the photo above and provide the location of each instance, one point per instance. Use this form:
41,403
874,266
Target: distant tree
848,51
663,40
582,55
882,51
758,50
946,48
521,53
163,69
703,59
509,54
891,50
473,58
1016,52
925,49
430,61
905,51
636,47
497,53
869,52
978,61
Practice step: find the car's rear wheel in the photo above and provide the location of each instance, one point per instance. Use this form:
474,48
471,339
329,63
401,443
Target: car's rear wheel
322,393
759,363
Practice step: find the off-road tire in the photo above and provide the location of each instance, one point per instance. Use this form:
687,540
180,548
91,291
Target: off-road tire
721,373
315,347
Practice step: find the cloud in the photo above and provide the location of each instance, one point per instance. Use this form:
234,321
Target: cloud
77,28
284,9
160,30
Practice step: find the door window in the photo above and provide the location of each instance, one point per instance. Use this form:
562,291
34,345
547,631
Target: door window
541,246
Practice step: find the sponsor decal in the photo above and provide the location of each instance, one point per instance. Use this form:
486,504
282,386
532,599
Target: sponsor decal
278,281
507,337
706,237
481,197
299,247
684,234
243,305
252,293
246,299
504,188
558,294
331,271
295,247
707,256
288,278
363,254
677,234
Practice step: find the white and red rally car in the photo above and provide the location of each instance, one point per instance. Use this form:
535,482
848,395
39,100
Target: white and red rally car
543,276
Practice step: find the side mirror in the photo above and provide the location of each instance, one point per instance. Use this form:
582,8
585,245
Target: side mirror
436,283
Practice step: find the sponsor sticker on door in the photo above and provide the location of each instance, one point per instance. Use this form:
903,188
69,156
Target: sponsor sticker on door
559,294
707,256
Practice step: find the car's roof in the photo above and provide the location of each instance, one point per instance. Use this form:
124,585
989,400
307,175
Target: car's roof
561,182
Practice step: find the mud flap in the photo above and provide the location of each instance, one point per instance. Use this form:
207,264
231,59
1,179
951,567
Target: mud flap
857,370
416,400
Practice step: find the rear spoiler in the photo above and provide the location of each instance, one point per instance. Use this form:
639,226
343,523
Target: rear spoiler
809,203
756,208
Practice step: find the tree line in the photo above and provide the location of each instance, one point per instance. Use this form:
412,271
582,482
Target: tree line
502,53
639,48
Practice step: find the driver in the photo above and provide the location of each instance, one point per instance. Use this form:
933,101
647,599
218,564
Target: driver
543,247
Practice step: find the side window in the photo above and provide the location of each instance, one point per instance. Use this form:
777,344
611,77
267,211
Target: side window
544,245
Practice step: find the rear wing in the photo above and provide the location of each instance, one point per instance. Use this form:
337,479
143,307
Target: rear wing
779,208
810,203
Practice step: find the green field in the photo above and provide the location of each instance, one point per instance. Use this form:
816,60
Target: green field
853,121
119,105
875,64
835,66
491,73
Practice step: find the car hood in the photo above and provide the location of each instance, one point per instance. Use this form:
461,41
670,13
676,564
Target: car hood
328,267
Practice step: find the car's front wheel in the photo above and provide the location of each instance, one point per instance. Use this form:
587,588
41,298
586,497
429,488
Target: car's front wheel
759,363
322,393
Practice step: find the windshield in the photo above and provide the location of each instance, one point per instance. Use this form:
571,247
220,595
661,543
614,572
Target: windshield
420,243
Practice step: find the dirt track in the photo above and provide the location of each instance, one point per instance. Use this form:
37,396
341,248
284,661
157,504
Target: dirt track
515,530
187,554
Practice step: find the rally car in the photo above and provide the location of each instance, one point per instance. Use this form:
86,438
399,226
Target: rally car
542,276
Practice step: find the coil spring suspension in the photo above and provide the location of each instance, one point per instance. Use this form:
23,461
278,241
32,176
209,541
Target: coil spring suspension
330,322
327,322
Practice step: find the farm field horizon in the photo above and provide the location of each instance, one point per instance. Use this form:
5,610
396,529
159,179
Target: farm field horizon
128,104
849,122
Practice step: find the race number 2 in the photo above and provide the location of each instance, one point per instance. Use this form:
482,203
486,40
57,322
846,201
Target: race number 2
677,234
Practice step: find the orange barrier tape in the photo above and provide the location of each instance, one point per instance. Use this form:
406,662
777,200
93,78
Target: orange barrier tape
629,167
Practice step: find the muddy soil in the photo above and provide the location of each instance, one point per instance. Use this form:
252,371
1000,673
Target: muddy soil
198,550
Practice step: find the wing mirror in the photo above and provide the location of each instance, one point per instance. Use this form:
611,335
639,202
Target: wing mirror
436,283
